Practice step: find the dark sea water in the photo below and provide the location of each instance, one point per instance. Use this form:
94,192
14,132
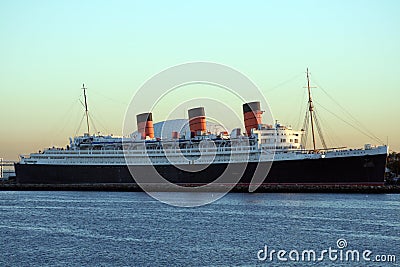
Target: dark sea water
132,229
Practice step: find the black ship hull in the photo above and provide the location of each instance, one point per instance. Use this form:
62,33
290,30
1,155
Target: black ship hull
355,170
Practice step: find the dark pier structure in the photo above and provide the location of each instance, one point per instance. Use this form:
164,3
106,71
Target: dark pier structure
131,187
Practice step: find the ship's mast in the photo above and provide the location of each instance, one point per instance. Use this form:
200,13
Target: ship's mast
86,108
311,108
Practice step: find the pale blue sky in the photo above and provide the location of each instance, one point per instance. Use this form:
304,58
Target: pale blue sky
49,48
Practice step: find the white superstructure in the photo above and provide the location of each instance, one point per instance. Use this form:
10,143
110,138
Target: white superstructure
278,143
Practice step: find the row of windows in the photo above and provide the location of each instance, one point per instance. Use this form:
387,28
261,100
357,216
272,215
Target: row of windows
269,134
271,141
290,141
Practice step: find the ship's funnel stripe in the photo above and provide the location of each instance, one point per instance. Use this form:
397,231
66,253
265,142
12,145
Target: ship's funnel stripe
252,123
197,119
252,119
197,124
145,125
252,116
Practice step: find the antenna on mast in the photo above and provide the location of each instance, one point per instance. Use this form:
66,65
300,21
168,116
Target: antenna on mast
86,108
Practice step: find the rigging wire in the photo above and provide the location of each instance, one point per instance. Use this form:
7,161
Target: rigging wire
283,83
329,131
67,116
94,126
319,130
361,126
94,119
83,105
301,108
80,125
295,118
350,124
110,98
305,128
65,119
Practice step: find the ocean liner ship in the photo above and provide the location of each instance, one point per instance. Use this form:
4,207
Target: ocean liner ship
202,157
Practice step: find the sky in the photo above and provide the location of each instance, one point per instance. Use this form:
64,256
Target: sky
49,48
